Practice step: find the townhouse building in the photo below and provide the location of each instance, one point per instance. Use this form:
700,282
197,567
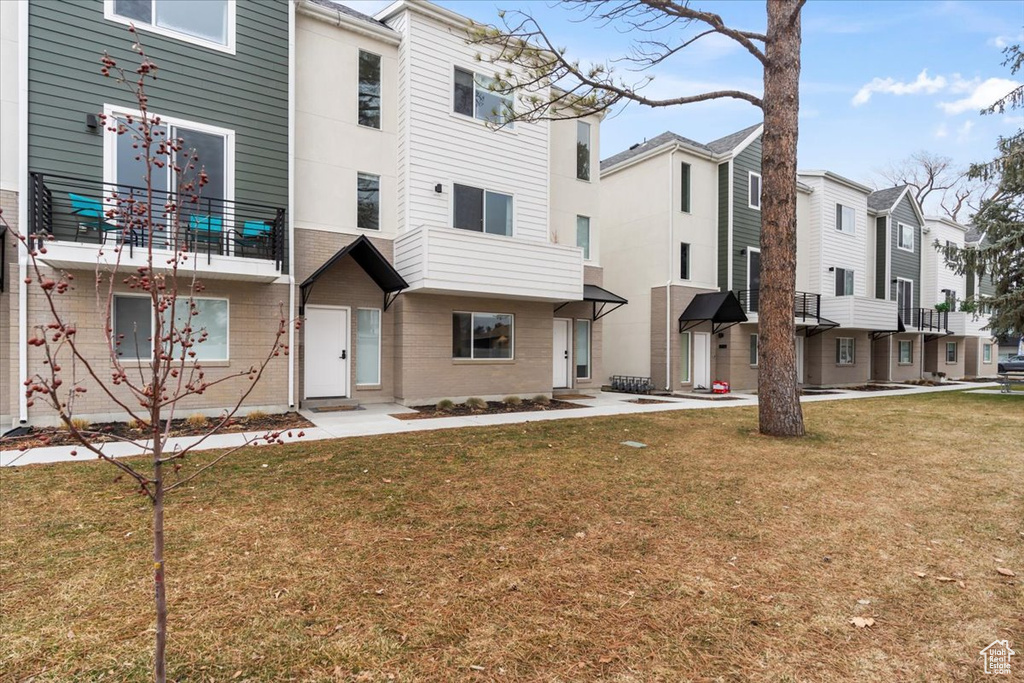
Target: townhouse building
365,178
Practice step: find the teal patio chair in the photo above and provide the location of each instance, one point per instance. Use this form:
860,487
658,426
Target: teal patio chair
206,230
91,209
253,235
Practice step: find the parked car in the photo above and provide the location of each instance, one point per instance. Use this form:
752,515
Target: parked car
1012,364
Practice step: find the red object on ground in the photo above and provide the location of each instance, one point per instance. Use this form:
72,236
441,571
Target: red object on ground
719,387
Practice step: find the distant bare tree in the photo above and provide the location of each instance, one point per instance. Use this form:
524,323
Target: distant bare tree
941,185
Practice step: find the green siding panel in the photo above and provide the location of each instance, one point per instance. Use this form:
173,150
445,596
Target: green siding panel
746,222
723,226
880,250
905,264
246,92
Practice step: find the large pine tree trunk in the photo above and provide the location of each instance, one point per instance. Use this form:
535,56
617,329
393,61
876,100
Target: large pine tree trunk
778,401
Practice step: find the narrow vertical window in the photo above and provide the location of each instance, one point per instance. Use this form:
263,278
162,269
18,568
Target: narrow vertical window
583,235
368,201
583,150
845,351
368,346
684,358
684,188
951,352
754,190
906,352
369,89
582,349
684,261
986,353
753,349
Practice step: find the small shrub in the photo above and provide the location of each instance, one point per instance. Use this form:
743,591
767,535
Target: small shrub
512,401
942,307
444,405
80,423
475,403
541,400
197,421
256,415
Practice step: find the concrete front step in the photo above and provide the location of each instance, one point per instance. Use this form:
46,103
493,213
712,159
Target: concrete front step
328,402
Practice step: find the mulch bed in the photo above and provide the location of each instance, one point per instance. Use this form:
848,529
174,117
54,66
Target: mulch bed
58,436
493,408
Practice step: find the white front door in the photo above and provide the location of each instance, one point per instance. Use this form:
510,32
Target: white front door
701,360
326,357
800,360
560,357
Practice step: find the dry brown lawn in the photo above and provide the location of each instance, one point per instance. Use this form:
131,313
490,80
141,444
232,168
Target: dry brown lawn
545,552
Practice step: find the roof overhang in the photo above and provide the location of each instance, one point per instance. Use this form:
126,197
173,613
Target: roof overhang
373,264
345,21
603,301
721,309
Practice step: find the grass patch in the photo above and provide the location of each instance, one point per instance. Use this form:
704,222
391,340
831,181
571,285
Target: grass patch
544,551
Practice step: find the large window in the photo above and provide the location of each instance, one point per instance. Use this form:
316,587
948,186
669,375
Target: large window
476,95
846,219
951,352
684,188
583,150
206,22
582,349
846,352
906,352
480,336
368,201
369,89
684,261
368,346
844,282
133,327
905,237
684,358
754,191
482,210
583,235
986,353
905,298
753,349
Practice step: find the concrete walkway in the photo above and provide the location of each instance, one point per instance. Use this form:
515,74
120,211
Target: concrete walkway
377,419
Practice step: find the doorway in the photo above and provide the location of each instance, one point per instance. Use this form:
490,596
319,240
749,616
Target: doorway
561,359
326,358
701,360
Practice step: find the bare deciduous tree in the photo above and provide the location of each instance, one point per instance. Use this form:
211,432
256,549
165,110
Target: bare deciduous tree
939,185
150,391
665,28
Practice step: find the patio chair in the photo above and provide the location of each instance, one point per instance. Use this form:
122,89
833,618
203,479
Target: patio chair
205,229
91,209
254,235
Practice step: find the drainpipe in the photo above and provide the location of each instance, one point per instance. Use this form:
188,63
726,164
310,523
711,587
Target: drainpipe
23,195
668,281
292,355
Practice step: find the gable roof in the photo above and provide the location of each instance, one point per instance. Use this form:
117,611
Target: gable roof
973,235
732,141
884,200
348,11
720,147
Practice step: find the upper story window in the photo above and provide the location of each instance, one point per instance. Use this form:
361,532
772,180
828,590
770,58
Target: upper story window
583,235
844,282
583,150
368,201
369,90
482,210
475,95
210,23
684,188
846,219
754,191
684,261
905,237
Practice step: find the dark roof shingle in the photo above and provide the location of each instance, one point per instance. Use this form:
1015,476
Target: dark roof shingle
719,146
882,200
345,9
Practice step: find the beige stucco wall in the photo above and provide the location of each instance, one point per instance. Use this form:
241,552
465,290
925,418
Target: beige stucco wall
902,372
9,316
935,357
820,352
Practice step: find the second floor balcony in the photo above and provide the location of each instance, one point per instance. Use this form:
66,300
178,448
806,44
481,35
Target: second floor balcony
964,323
925,319
83,223
806,307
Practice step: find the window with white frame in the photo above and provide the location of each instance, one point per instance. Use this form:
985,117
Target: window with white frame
582,349
369,89
684,188
583,235
481,210
368,346
986,353
582,150
477,96
905,237
368,201
684,358
753,349
951,352
846,219
684,261
906,356
845,351
482,336
205,22
207,328
754,190
844,282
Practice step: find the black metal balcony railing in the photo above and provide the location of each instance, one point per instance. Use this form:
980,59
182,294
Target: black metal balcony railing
78,210
925,319
806,305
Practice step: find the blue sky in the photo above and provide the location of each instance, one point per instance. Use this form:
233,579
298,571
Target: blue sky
880,80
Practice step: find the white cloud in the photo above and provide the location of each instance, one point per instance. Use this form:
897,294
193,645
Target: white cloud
963,133
922,84
1005,41
982,94
942,131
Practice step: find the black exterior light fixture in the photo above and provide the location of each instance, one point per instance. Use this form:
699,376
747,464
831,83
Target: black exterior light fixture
438,188
92,122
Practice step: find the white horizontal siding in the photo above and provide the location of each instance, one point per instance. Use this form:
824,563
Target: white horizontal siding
859,312
446,259
839,249
961,324
936,274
